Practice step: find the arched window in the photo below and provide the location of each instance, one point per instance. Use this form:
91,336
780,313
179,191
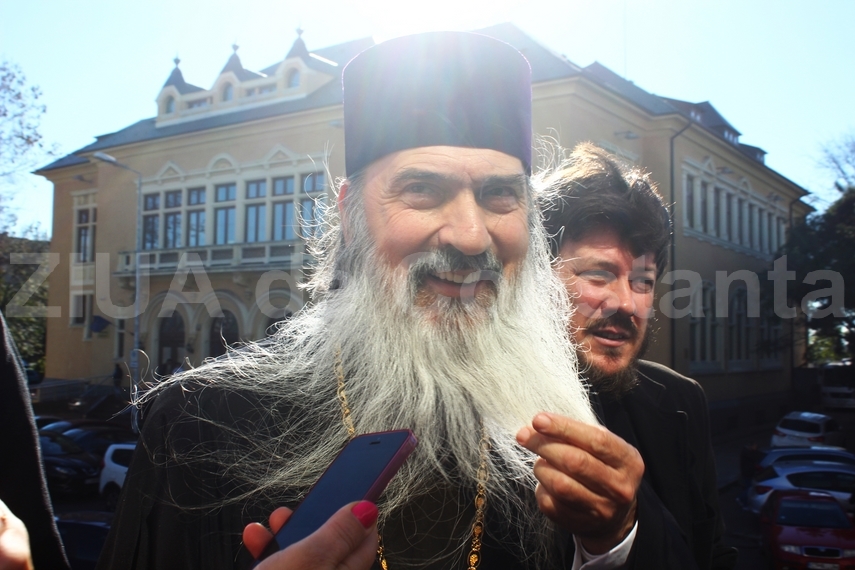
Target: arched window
224,332
293,78
170,105
228,92
170,350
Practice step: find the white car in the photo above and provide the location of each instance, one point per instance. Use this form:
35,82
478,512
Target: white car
117,458
804,429
836,479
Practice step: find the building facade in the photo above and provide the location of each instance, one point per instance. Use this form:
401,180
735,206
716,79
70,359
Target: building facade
233,179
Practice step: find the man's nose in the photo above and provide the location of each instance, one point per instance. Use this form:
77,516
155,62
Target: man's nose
619,298
465,226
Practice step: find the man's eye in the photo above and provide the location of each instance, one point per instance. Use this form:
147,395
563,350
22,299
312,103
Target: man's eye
643,285
597,276
499,192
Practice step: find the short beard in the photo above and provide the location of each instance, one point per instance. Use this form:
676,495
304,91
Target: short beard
624,380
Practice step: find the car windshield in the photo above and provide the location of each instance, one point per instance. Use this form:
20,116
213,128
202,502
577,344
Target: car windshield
800,425
56,444
824,514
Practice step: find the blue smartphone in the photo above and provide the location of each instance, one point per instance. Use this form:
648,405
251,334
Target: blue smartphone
360,472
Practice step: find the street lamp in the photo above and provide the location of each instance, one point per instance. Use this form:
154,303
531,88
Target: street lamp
135,362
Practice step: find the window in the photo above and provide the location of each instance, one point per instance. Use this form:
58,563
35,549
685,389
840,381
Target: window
151,230
151,202
256,216
751,237
704,326
717,212
283,186
85,234
728,212
770,337
226,192
172,230
740,221
80,309
170,105
256,189
690,201
267,89
704,206
224,226
310,216
224,332
739,327
770,232
313,182
120,338
228,92
172,199
196,228
196,196
293,78
283,221
198,103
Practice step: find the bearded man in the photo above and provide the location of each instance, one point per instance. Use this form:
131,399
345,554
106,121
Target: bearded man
609,232
435,309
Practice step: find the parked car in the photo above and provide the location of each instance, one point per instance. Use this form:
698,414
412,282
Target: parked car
62,426
779,455
68,468
838,385
96,439
83,535
42,421
803,429
836,479
117,459
807,530
100,401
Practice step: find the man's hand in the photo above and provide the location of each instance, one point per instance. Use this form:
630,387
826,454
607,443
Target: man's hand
347,541
588,479
14,542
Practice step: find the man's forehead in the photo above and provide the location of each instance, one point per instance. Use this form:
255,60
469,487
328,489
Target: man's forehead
603,247
449,163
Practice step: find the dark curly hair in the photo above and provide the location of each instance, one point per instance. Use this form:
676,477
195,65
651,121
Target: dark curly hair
592,188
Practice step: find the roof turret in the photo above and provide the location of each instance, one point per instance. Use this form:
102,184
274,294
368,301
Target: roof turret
176,79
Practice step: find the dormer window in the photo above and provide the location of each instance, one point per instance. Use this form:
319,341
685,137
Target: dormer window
170,105
228,92
293,78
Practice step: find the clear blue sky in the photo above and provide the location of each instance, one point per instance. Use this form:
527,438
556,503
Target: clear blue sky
781,71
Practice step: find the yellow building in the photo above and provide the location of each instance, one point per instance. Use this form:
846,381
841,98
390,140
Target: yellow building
233,178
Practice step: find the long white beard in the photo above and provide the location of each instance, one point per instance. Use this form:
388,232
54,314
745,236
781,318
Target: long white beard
493,364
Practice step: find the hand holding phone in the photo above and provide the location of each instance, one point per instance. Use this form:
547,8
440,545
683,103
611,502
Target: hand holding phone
359,473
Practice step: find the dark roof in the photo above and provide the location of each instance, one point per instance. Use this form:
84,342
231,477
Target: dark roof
604,76
754,152
340,54
234,65
299,49
176,79
709,117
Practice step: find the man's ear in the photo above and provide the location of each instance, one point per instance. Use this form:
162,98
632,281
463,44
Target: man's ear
339,202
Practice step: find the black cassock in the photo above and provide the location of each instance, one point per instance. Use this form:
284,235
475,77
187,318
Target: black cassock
168,515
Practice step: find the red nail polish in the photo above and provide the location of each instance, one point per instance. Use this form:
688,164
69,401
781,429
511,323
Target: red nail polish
365,512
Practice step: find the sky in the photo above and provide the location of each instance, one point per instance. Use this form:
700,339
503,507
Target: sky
780,71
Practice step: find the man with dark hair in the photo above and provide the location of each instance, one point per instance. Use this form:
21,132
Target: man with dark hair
609,232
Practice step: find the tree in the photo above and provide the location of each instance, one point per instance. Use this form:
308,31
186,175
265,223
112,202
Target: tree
826,241
839,158
21,142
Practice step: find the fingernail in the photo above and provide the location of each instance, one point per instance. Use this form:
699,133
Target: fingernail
523,434
365,512
541,421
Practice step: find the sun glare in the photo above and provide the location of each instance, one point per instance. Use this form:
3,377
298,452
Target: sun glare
392,18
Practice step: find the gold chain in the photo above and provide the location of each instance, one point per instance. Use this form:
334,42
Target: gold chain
473,559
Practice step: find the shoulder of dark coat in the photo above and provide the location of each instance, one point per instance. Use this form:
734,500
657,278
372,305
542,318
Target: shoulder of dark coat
671,380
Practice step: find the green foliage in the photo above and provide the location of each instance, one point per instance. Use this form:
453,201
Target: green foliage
826,241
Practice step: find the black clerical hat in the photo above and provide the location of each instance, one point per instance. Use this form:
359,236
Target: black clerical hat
437,88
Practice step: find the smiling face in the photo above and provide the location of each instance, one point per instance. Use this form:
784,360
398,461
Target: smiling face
467,204
613,295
